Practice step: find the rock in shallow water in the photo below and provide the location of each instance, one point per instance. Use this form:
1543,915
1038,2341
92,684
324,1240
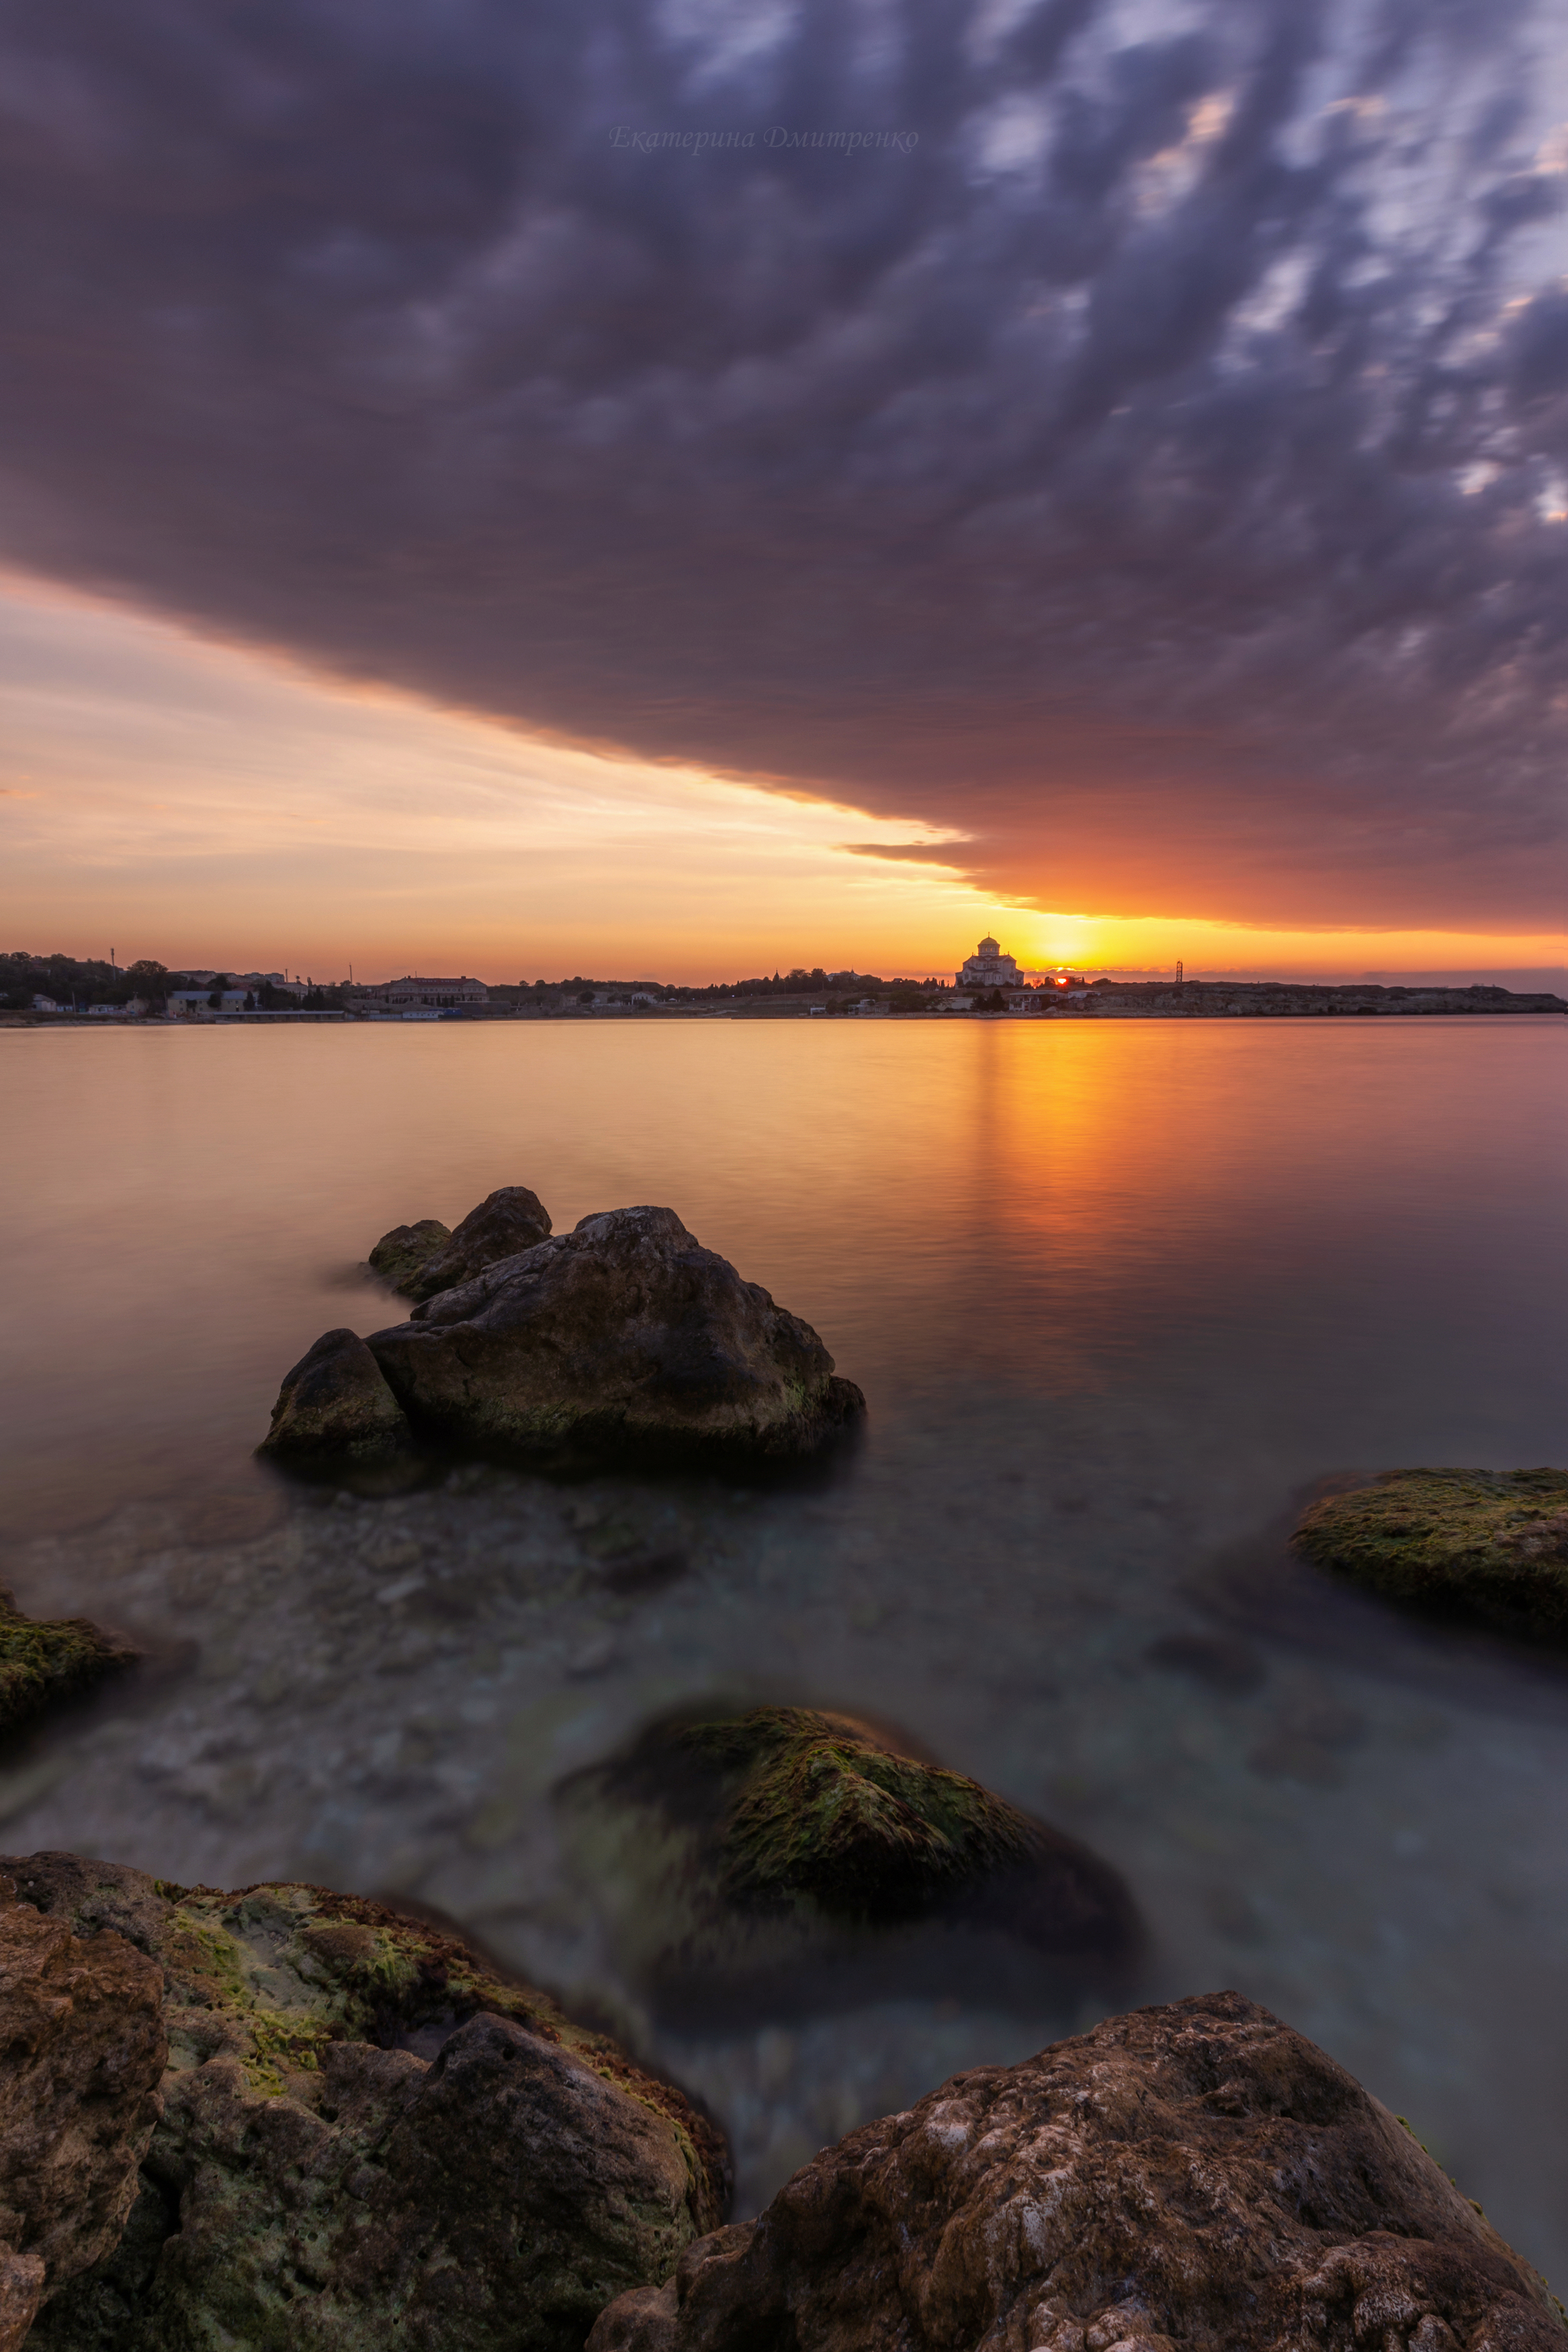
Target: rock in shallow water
1491,1544
787,1860
368,2139
82,2052
43,1659
624,1337
1196,2175
504,1225
401,1256
336,1406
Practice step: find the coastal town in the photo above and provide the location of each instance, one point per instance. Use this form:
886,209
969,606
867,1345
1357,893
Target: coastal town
988,985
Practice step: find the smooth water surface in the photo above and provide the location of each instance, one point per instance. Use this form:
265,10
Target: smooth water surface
1118,1294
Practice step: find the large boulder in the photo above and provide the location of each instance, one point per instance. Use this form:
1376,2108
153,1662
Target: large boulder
1196,2175
335,1405
43,1659
82,2052
1490,1544
624,1336
786,1860
368,2137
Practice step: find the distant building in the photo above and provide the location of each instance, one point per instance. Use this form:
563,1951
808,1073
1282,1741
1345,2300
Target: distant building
190,1003
413,994
47,1004
989,968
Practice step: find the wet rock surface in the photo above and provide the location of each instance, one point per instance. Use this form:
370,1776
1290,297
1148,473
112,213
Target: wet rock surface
624,1337
782,1860
43,1660
1491,1545
401,1256
363,2128
83,2052
1196,2175
334,1405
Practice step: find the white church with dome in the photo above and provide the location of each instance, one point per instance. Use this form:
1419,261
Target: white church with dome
990,968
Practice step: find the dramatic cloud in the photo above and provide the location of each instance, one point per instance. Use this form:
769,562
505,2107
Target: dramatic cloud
1154,460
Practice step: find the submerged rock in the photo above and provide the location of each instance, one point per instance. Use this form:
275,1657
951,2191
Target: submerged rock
788,1860
401,1256
1197,2175
44,1658
82,2051
1493,1543
335,1404
369,2137
624,1337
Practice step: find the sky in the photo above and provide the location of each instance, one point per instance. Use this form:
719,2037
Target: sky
675,487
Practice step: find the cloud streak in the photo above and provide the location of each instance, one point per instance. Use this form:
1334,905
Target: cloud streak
1156,474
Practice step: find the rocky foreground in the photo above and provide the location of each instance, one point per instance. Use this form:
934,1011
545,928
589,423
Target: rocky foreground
1195,2176
287,2118
623,1339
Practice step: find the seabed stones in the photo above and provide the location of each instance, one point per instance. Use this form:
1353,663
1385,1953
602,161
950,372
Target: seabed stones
622,1340
1487,1544
783,1862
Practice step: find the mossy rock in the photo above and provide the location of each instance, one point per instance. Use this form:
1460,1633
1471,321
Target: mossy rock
357,2102
401,1256
1488,1544
786,1858
43,1659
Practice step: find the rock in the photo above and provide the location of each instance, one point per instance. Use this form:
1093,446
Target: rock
83,2054
47,1658
1196,2175
788,1860
502,1226
336,1405
370,2137
1491,1544
624,1337
401,1256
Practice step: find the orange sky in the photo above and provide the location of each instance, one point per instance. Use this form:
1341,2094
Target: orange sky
168,797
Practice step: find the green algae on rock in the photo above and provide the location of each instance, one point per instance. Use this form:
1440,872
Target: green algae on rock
43,1659
367,2134
867,1834
788,1856
401,1256
1491,1543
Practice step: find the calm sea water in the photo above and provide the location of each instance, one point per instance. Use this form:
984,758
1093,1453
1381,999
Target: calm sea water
1119,1296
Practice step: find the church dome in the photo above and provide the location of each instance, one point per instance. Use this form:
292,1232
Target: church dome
988,948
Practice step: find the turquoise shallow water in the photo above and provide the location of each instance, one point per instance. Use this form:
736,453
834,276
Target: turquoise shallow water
1118,1297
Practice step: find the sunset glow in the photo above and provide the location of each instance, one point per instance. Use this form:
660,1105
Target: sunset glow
176,797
